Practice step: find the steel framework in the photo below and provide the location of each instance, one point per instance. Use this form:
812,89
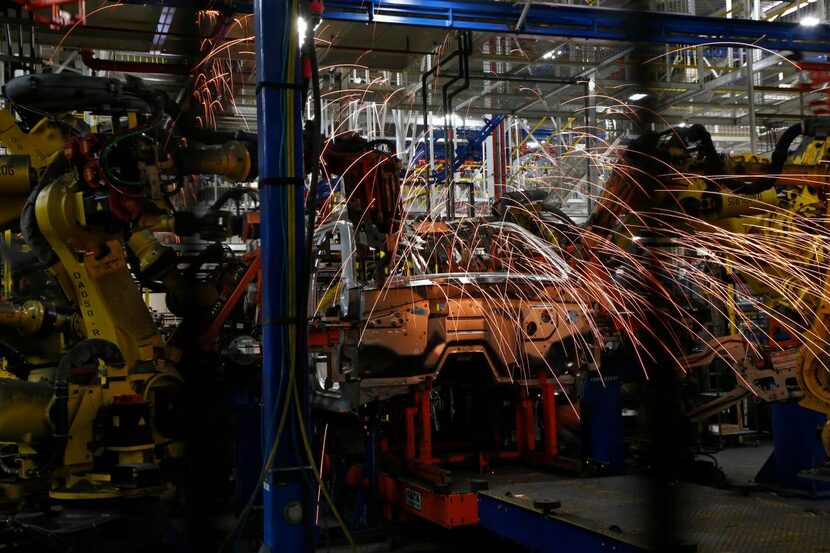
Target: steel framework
581,22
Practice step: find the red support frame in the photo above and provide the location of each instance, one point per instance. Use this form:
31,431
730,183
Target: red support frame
410,494
551,443
525,431
425,414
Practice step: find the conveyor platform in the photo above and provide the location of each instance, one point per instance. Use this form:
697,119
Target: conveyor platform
611,514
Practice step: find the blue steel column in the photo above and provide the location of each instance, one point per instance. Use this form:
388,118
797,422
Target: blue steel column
279,116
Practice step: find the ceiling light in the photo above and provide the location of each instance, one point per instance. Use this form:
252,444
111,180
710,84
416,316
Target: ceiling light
302,27
550,55
638,96
809,21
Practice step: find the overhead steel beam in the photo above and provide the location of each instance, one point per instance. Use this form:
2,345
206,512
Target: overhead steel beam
562,20
724,80
580,22
781,109
520,23
583,75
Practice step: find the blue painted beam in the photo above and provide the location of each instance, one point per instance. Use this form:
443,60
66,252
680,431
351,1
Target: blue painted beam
567,22
476,140
286,502
581,22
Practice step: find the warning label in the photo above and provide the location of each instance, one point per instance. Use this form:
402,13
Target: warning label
413,498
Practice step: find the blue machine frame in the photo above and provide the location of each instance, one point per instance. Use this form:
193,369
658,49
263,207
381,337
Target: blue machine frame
279,124
539,532
581,22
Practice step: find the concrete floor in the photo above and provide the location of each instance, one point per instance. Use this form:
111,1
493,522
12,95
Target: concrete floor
741,463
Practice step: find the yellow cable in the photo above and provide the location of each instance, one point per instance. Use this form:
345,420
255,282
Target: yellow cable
268,462
316,471
291,194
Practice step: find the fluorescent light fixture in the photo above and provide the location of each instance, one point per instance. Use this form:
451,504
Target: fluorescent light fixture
809,21
302,27
454,120
637,96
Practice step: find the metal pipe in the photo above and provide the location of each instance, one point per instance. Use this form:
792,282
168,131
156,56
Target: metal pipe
448,157
287,508
401,51
467,47
590,129
523,16
428,153
520,79
750,90
464,48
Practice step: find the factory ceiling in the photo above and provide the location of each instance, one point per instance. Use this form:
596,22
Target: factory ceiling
182,50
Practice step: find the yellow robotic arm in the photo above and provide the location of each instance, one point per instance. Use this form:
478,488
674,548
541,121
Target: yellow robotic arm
29,154
813,372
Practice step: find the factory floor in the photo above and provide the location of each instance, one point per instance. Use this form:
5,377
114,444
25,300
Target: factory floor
739,463
596,497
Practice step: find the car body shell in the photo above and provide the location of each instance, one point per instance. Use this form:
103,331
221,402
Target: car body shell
499,325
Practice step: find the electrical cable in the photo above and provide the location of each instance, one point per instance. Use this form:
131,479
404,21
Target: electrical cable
287,115
298,340
45,114
302,326
263,473
157,106
316,471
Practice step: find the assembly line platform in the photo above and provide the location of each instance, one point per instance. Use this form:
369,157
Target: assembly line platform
612,514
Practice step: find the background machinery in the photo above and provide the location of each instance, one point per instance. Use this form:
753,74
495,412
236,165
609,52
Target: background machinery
756,222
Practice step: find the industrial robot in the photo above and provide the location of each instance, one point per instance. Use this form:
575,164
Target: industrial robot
674,189
90,391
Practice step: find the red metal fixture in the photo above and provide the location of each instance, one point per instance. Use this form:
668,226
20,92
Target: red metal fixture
422,490
55,20
818,75
232,300
499,162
